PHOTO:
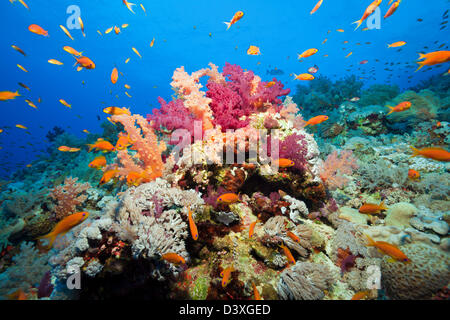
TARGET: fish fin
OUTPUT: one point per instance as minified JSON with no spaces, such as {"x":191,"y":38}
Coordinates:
{"x":228,"y":25}
{"x":416,"y":152}
{"x":370,"y":240}
{"x":391,"y":260}
{"x":359,"y":22}
{"x":79,"y":69}
{"x":422,"y":64}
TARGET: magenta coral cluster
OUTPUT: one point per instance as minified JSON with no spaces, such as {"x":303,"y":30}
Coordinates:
{"x":294,"y":147}
{"x":172,"y":116}
{"x":241,"y":96}
{"x":228,"y":102}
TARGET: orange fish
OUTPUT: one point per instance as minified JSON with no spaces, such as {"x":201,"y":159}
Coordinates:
{"x":82,"y":26}
{"x":64,"y":103}
{"x":304,"y":77}
{"x":152,"y":43}
{"x":392,"y":9}
{"x":389,"y":249}
{"x":192,"y":226}
{"x":21,"y":126}
{"x":66,"y":31}
{"x":98,"y":163}
{"x":84,"y":62}
{"x":18,"y":50}
{"x":8,"y":95}
{"x":123,"y":142}
{"x":108,"y":175}
{"x":129,"y":5}
{"x":340,"y":30}
{"x":284,"y":163}
{"x":116,"y":111}
{"x":288,"y":254}
{"x":54,"y":61}
{"x":253,"y":51}
{"x":72,"y":51}
{"x":101,"y":144}
{"x":17,"y":295}
{"x":270,"y":84}
{"x":370,"y":9}
{"x":173,"y":258}
{"x":116,"y":29}
{"x":308,"y":53}
{"x":397,"y":44}
{"x":433,"y":58}
{"x":413,"y":174}
{"x":255,"y":292}
{"x":251,"y":230}
{"x":38,"y":30}
{"x":228,"y":198}
{"x":136,"y":178}
{"x":114,"y":76}
{"x":405,"y":105}
{"x":438,"y":154}
{"x":360,"y":295}
{"x":370,"y":208}
{"x":316,"y":7}
{"x":64,"y":226}
{"x":316,"y":120}
{"x":237,"y":16}
{"x":226,"y":276}
{"x":293,"y":236}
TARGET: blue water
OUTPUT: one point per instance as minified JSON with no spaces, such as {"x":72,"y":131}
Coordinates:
{"x":190,"y":34}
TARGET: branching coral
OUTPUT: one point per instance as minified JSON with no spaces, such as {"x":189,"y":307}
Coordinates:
{"x":145,"y":143}
{"x":27,"y":271}
{"x":68,"y":197}
{"x":336,"y":166}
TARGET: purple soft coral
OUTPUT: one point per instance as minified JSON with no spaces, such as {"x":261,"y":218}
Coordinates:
{"x":295,"y":148}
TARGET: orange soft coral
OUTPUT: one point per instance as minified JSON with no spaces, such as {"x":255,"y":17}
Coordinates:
{"x":144,"y":141}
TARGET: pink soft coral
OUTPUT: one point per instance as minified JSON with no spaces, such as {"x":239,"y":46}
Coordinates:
{"x":172,"y":116}
{"x":188,"y":89}
{"x":144,"y":141}
{"x":335,"y":167}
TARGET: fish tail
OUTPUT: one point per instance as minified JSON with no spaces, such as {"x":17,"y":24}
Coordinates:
{"x":422,"y":64}
{"x":383,"y":206}
{"x":370,"y":243}
{"x":416,"y":152}
{"x":359,"y":22}
{"x":228,"y":25}
{"x":421,"y":56}
{"x":392,"y":110}
{"x":91,"y":146}
{"x":51,"y":237}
